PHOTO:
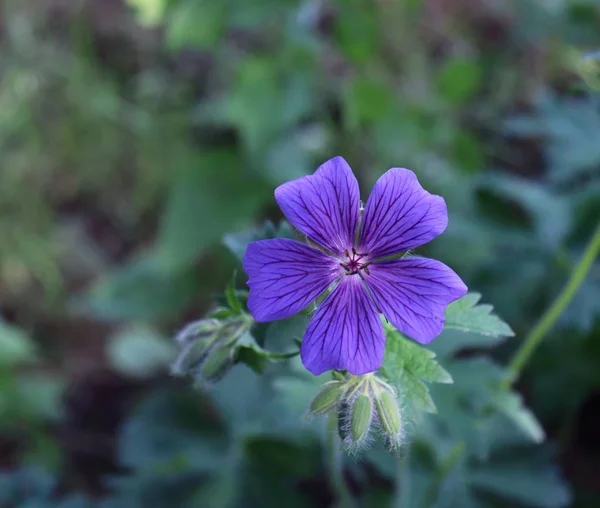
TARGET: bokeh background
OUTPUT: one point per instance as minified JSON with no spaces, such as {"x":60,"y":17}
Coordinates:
{"x":138,"y":138}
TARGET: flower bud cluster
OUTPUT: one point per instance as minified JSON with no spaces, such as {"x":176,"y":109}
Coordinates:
{"x":209,"y":347}
{"x":364,"y":404}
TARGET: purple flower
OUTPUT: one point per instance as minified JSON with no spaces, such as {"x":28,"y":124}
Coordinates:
{"x":412,"y":293}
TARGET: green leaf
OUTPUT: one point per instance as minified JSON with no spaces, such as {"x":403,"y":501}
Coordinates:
{"x":407,"y":365}
{"x":149,"y":12}
{"x":138,"y":290}
{"x":198,"y":25}
{"x":40,"y":395}
{"x":139,"y":351}
{"x":529,"y":479}
{"x":256,"y":357}
{"x":511,"y":404}
{"x":170,"y":432}
{"x":232,"y":298}
{"x":15,"y":346}
{"x":212,"y":195}
{"x":466,"y":315}
{"x":451,"y":340}
{"x":367,"y":101}
{"x":238,"y":242}
{"x":477,"y":396}
{"x":358,"y":30}
{"x":458,"y":80}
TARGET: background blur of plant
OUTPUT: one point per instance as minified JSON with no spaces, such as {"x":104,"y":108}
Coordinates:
{"x":138,"y":138}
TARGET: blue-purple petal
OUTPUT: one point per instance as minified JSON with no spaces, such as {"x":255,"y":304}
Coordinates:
{"x":324,"y":206}
{"x":285,"y":276}
{"x":345,"y":333}
{"x":400,"y":215}
{"x":413,"y":294}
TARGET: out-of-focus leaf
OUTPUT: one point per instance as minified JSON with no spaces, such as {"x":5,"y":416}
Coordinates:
{"x":568,"y":127}
{"x":197,"y":25}
{"x":367,"y":101}
{"x":207,"y":200}
{"x":530,"y":480}
{"x":511,"y":404}
{"x":476,"y":397}
{"x":551,"y":213}
{"x":15,"y":346}
{"x":149,"y":12}
{"x":238,"y":242}
{"x":138,"y":290}
{"x":167,"y":435}
{"x":357,"y":30}
{"x":458,"y":80}
{"x":466,"y":315}
{"x":468,"y":152}
{"x":40,"y":395}
{"x":139,"y":351}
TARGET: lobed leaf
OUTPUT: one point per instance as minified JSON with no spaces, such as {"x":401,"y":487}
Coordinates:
{"x":466,"y":315}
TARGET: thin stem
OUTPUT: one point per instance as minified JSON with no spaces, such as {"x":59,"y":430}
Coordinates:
{"x":402,"y":482}
{"x":336,"y":466}
{"x":550,"y":317}
{"x":456,"y":453}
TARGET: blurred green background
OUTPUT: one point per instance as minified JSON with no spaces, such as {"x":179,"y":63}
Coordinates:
{"x":137,"y":137}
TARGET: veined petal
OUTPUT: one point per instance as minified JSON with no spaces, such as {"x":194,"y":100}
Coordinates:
{"x":345,"y":333}
{"x":324,"y":206}
{"x":285,"y":276}
{"x":413,"y":294}
{"x":400,"y":215}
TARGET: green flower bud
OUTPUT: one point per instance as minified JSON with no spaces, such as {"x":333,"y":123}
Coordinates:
{"x":327,"y":399}
{"x":205,"y":329}
{"x":360,"y":419}
{"x":232,"y":329}
{"x":216,"y":366}
{"x":388,"y":413}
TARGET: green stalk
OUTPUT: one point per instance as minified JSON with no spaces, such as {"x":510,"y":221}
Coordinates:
{"x":336,"y":466}
{"x":454,"y":456}
{"x":550,"y":317}
{"x":402,"y":481}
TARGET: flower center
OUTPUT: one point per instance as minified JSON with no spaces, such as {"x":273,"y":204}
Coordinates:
{"x":355,"y":262}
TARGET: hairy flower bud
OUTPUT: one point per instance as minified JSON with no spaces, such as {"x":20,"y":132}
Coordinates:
{"x":361,"y":416}
{"x":216,"y":366}
{"x":204,"y":329}
{"x":209,"y":347}
{"x":362,"y":403}
{"x":327,"y":399}
{"x":388,"y":414}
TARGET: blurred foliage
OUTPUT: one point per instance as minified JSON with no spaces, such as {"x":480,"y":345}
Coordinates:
{"x":141,"y":142}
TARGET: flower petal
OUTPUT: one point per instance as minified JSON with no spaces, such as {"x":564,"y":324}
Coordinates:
{"x":324,"y":206}
{"x":400,"y":215}
{"x":285,"y":276}
{"x":345,"y":333}
{"x":413,"y":294}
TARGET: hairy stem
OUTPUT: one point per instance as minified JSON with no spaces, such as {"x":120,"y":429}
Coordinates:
{"x":550,"y":317}
{"x":336,"y":466}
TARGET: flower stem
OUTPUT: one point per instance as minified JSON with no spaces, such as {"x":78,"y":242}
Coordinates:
{"x":550,"y":317}
{"x":454,"y":456}
{"x":402,"y":481}
{"x":336,"y":467}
